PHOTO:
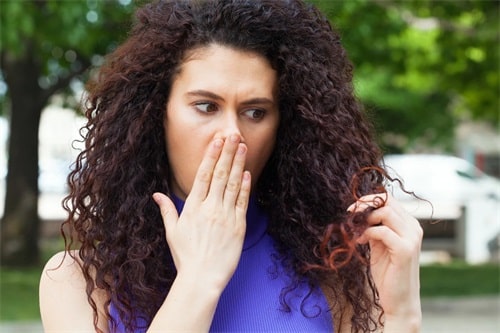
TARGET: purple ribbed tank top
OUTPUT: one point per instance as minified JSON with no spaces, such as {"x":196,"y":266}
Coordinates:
{"x":251,"y":300}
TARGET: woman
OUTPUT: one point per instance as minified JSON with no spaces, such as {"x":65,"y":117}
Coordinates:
{"x":230,"y":182}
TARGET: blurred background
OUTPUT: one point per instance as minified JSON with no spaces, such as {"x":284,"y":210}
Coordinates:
{"x":426,"y":71}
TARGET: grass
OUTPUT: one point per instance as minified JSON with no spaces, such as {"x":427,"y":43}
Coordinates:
{"x":19,"y":287}
{"x":459,"y":279}
{"x":19,"y":294}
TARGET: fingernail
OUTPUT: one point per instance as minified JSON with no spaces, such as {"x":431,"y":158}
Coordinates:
{"x":241,"y":149}
{"x":361,"y":240}
{"x":218,"y":143}
{"x":234,"y":138}
{"x":156,"y":197}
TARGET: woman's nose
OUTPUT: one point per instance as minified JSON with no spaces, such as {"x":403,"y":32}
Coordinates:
{"x":229,"y":125}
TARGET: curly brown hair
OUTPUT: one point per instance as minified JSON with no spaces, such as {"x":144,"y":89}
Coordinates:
{"x":324,"y":143}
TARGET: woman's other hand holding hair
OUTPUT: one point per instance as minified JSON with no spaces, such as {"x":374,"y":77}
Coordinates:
{"x":395,"y":239}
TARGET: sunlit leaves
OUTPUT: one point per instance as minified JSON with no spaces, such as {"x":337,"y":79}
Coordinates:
{"x":62,"y":37}
{"x":422,"y":65}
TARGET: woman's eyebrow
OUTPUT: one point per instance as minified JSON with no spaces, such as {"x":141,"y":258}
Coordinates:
{"x":204,"y":93}
{"x":211,"y":95}
{"x":258,"y":100}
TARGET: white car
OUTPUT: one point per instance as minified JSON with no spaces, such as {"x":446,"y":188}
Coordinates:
{"x":441,"y":179}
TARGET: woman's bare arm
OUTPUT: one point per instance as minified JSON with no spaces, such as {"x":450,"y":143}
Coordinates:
{"x":63,"y":301}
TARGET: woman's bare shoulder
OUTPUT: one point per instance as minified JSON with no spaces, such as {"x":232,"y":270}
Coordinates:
{"x":64,"y":302}
{"x":65,"y":259}
{"x":62,"y":271}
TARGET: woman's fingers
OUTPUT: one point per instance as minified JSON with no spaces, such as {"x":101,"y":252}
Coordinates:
{"x":402,"y":223}
{"x":234,"y":183}
{"x":219,"y":176}
{"x":402,"y":246}
{"x":208,"y":235}
{"x":395,"y":239}
{"x":243,"y":196}
{"x":389,"y":224}
{"x":224,"y":170}
{"x":167,"y":210}
{"x":388,"y":212}
{"x":372,"y":200}
{"x":204,"y":175}
{"x":380,"y":233}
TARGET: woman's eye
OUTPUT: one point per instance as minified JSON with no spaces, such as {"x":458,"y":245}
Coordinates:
{"x":206,"y":107}
{"x":255,"y":114}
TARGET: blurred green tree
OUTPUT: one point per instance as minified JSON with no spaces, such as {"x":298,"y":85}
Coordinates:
{"x":45,"y":46}
{"x":421,"y":66}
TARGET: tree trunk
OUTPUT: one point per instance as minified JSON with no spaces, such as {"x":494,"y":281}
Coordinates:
{"x":20,"y":223}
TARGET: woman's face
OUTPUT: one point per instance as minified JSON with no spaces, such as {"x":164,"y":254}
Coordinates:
{"x":220,"y":91}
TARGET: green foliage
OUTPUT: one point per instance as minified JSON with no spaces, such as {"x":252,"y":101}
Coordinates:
{"x":53,"y":27}
{"x":19,"y":294}
{"x":459,"y":279}
{"x":63,"y":37}
{"x":422,"y":65}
